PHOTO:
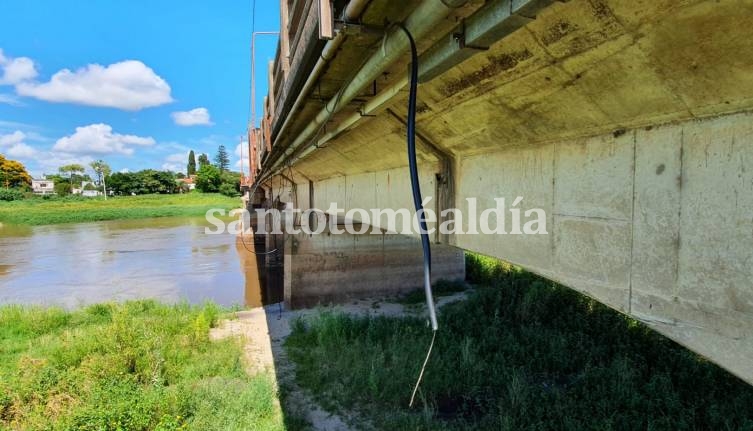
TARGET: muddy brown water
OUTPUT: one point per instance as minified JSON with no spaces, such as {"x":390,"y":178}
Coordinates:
{"x":167,"y":259}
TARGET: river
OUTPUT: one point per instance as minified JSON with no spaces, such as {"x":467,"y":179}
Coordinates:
{"x":167,"y":259}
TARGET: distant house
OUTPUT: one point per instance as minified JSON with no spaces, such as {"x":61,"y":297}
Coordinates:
{"x":43,"y":187}
{"x":89,"y":190}
{"x":188,"y":183}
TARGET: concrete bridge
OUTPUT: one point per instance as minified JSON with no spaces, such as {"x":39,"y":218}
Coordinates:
{"x":627,"y":122}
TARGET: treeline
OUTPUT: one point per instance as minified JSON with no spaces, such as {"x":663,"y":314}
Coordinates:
{"x":16,"y":183}
{"x":146,"y":182}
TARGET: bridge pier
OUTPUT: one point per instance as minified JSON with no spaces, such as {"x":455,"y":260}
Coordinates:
{"x":328,"y":268}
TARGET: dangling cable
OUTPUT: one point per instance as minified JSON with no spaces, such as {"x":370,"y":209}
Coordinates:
{"x":418,"y":202}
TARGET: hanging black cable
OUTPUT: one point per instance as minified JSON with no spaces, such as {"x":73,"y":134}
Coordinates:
{"x":415,"y":186}
{"x":418,"y":201}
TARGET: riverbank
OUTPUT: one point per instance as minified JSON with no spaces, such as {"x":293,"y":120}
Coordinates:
{"x":135,"y":366}
{"x":38,"y":211}
{"x":519,"y":353}
{"x":514,"y":352}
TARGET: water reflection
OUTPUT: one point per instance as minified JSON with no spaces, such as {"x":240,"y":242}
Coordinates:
{"x":169,"y":259}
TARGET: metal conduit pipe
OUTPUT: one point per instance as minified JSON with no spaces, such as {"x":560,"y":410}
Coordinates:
{"x":494,"y":21}
{"x":372,"y":105}
{"x":352,"y":13}
{"x":423,"y":19}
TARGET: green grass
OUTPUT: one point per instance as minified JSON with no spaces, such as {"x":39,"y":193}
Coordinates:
{"x":522,"y":353}
{"x":40,"y":211}
{"x":133,"y":366}
{"x":439,"y":289}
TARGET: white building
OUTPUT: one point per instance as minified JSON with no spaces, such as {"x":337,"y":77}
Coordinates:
{"x":90,"y":191}
{"x":43,"y":187}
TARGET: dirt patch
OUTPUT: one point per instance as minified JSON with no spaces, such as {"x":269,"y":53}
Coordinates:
{"x":264,"y":330}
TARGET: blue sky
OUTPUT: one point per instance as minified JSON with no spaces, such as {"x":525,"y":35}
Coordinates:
{"x":137,"y":84}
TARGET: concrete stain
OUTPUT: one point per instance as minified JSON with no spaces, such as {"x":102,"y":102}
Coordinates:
{"x":601,"y":10}
{"x":558,"y":31}
{"x":497,"y":64}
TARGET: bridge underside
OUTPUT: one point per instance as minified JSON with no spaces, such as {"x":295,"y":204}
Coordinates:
{"x":626,"y":121}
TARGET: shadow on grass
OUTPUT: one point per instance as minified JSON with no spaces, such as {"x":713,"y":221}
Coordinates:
{"x":522,"y":353}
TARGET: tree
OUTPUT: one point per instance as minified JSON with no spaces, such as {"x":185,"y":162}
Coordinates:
{"x":191,"y":169}
{"x":124,"y":183}
{"x":222,"y":159}
{"x":62,"y":189}
{"x":227,"y":189}
{"x":103,"y":170}
{"x":72,"y":170}
{"x":13,"y":173}
{"x":232,"y":178}
{"x":208,"y":180}
{"x":147,"y":181}
{"x":203,"y":160}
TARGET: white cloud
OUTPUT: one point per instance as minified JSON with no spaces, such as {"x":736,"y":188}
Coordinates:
{"x":129,"y":85}
{"x":176,"y":162}
{"x":177,"y":158}
{"x":14,"y":138}
{"x":22,"y":151}
{"x":194,"y":117}
{"x":13,"y":145}
{"x":50,"y":161}
{"x":10,"y":99}
{"x":241,"y":153}
{"x":100,"y":139}
{"x":242,"y":149}
{"x":16,"y":70}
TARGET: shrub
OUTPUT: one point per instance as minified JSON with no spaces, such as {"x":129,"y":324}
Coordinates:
{"x":63,"y":189}
{"x":229,"y":190}
{"x":10,"y":195}
{"x":128,"y":366}
{"x":208,"y":179}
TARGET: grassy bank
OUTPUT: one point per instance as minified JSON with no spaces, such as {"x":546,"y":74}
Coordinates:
{"x":521,"y":353}
{"x":136,"y":366}
{"x":79,"y":210}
